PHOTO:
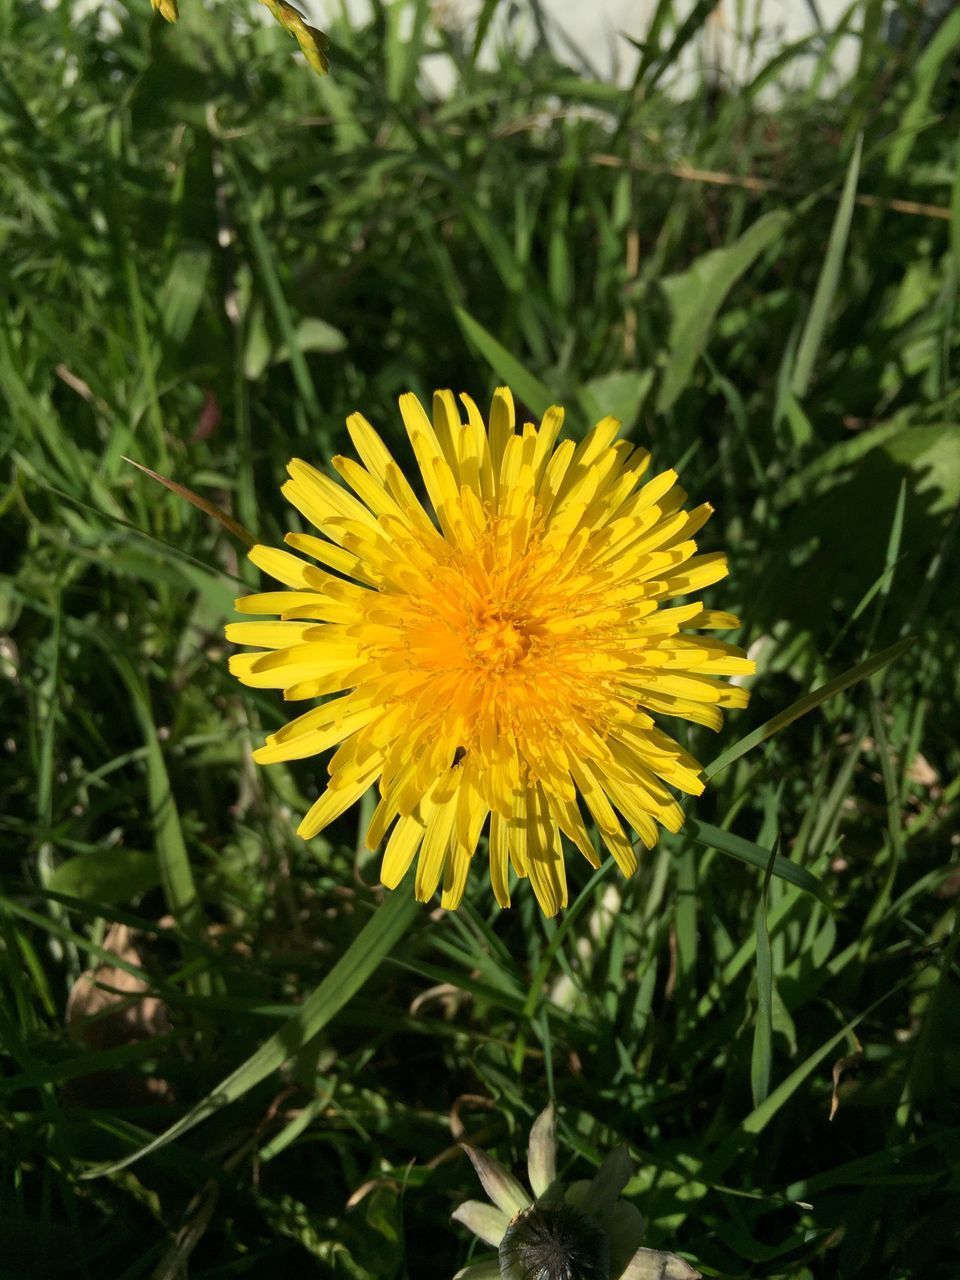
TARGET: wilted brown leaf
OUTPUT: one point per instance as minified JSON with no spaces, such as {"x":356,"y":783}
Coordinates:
{"x":846,"y":1063}
{"x":108,"y":1008}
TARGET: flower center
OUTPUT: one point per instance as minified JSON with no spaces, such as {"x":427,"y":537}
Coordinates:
{"x":498,"y":641}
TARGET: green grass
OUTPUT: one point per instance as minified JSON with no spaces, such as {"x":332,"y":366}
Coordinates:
{"x":208,"y":257}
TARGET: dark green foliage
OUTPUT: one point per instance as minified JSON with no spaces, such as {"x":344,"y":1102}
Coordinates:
{"x":208,"y":257}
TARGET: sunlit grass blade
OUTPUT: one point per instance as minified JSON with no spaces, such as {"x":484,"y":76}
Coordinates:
{"x":372,"y":944}
{"x":754,"y":855}
{"x":809,"y":702}
{"x":761,"y":1115}
{"x":175,"y":872}
{"x":815,"y":327}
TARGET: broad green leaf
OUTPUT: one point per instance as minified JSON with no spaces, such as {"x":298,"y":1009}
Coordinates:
{"x":311,"y":334}
{"x":934,"y":454}
{"x":620,"y":394}
{"x":314,"y":334}
{"x":107,"y":875}
{"x":697,"y":295}
{"x":183,"y":291}
{"x":258,"y":348}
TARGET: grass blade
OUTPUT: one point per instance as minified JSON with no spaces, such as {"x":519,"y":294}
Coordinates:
{"x":926,"y":71}
{"x":754,"y":855}
{"x":760,"y":1116}
{"x":175,"y":871}
{"x":826,"y":289}
{"x":266,"y":262}
{"x":807,"y":703}
{"x":762,"y":1055}
{"x":890,"y":562}
{"x":202,"y":504}
{"x":372,"y":944}
{"x":505,"y":365}
{"x":484,"y":18}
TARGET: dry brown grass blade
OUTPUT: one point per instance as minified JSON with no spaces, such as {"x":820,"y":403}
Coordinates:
{"x":747,"y":182}
{"x":202,"y":504}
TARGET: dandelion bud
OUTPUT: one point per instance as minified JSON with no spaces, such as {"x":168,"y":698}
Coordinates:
{"x":579,"y":1232}
{"x":554,"y":1242}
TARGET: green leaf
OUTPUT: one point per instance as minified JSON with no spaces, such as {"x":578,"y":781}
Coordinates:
{"x":201,"y":503}
{"x":934,"y":454}
{"x":837,"y":457}
{"x":183,"y":291}
{"x":826,"y":289}
{"x":483,"y":21}
{"x":313,"y":334}
{"x":697,"y":295}
{"x":761,"y":1115}
{"x":263,"y":252}
{"x":620,"y":394}
{"x":372,"y":944}
{"x":107,"y":875}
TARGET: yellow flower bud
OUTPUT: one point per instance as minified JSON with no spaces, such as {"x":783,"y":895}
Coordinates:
{"x":313,"y":42}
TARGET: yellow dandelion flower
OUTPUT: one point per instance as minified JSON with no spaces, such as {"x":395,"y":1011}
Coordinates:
{"x":497,"y":668}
